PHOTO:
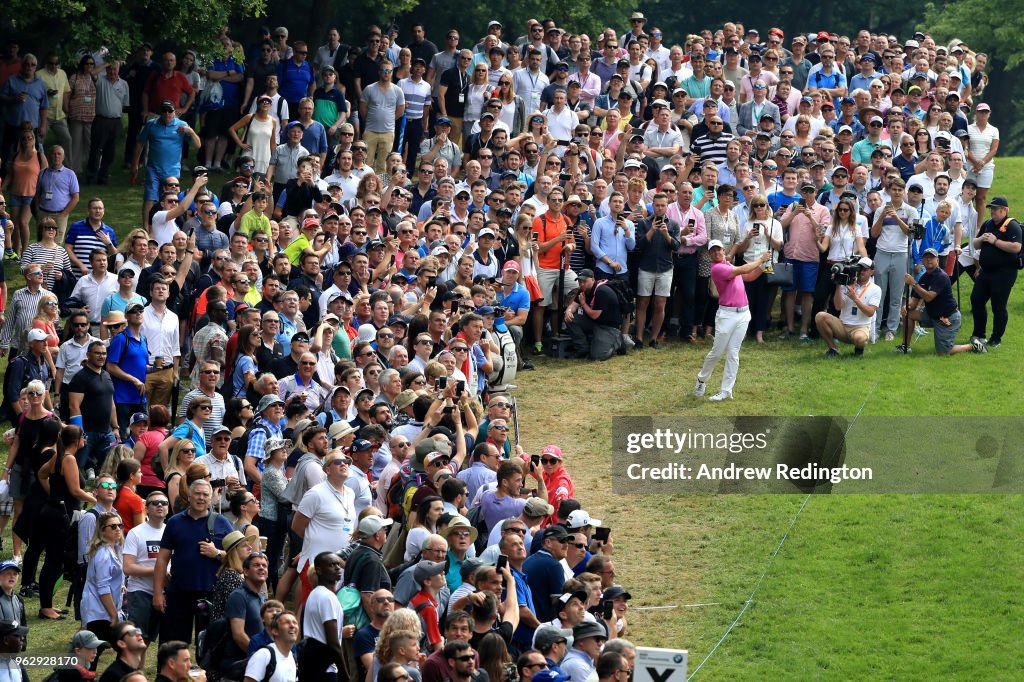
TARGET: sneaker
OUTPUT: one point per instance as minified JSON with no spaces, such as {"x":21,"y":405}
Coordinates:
{"x":700,"y":388}
{"x":995,"y":344}
{"x":785,"y":334}
{"x":720,"y":396}
{"x":538,"y":348}
{"x":889,"y":336}
{"x":629,"y":342}
{"x":904,"y":349}
{"x":654,"y":344}
{"x":90,"y":476}
{"x":10,"y":255}
{"x":27,"y":592}
{"x":831,"y":353}
{"x":858,"y":352}
{"x":977,"y":346}
{"x":805,"y":337}
{"x":526,"y":366}
{"x":17,"y":559}
{"x":920,"y":331}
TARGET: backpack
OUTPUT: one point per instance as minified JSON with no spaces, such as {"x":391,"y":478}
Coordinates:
{"x":212,"y":97}
{"x":7,"y":412}
{"x":475,"y":516}
{"x":240,"y":445}
{"x":71,"y":542}
{"x":272,"y":665}
{"x":623,"y":294}
{"x":351,"y":599}
{"x":424,"y":639}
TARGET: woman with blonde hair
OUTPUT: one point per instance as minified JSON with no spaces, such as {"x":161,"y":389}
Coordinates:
{"x":47,"y":317}
{"x":194,"y":472}
{"x":761,"y":233}
{"x":22,"y":179}
{"x":115,"y":456}
{"x":401,"y":619}
{"x":513,"y":107}
{"x":24,"y":453}
{"x":102,"y":594}
{"x":802,"y":131}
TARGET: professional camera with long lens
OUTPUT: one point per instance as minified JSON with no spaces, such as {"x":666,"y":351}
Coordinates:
{"x":844,"y":273}
{"x":917,"y":229}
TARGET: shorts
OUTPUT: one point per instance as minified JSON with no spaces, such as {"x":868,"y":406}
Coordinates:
{"x":844,"y":332}
{"x":945,"y":337}
{"x":139,"y":606}
{"x":151,"y":191}
{"x":548,"y":281}
{"x":805,"y":276}
{"x":20,"y":481}
{"x":17,"y":201}
{"x":217,"y":122}
{"x":983,"y":178}
{"x":656,"y":283}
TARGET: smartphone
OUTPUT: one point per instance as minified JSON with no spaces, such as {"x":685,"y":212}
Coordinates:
{"x":536,"y":236}
{"x":524,"y":492}
{"x":442,"y":383}
{"x":460,"y":387}
{"x":431,"y":281}
{"x":501,"y":563}
{"x":609,"y":610}
{"x":803,"y":203}
{"x":601,"y":533}
{"x":448,"y":409}
{"x":691,"y":222}
{"x":536,"y":460}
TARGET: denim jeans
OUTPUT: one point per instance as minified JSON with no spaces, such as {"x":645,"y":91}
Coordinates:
{"x":97,"y":444}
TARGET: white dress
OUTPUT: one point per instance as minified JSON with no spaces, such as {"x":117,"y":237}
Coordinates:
{"x":259,"y":135}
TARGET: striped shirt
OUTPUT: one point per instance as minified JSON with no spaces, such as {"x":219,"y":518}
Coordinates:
{"x":417,"y":96}
{"x":216,"y":415}
{"x":21,"y":310}
{"x":82,"y":239}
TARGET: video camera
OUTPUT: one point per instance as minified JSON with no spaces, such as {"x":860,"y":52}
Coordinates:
{"x":844,"y":273}
{"x":917,"y":229}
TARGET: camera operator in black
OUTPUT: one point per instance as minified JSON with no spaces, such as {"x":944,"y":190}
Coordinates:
{"x":857,"y":303}
{"x":594,"y":317}
{"x":939,"y":310}
{"x":999,"y":242}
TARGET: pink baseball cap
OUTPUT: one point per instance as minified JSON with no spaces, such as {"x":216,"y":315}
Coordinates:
{"x":511,"y":265}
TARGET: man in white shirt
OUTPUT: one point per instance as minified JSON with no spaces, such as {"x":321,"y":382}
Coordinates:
{"x":326,"y":516}
{"x":323,"y":621}
{"x":284,"y":628}
{"x":857,"y":304}
{"x":164,"y":225}
{"x":161,"y":329}
{"x":530,"y":81}
{"x":141,"y":548}
{"x":562,"y":121}
{"x":94,"y":287}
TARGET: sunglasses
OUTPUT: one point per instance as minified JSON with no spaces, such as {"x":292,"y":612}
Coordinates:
{"x":549,"y":460}
{"x":341,"y":460}
{"x":113,"y":525}
{"x":107,"y":485}
{"x":158,"y":503}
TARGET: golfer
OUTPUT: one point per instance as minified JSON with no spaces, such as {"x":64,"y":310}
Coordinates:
{"x":731,"y":320}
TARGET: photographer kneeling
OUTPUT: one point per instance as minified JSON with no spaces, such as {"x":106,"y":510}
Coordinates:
{"x":940,"y":311}
{"x":857,"y":297}
{"x":594,"y":317}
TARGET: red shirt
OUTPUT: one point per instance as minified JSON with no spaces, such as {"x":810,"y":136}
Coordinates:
{"x":159,"y":88}
{"x":127,"y":505}
{"x":429,"y":614}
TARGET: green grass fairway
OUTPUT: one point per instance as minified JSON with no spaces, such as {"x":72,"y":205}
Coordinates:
{"x":909,"y":587}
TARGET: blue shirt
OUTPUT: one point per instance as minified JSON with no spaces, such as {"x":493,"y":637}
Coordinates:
{"x":516,"y":300}
{"x":545,"y":575}
{"x":524,"y":597}
{"x":56,"y":187}
{"x":314,"y":138}
{"x":187,"y":429}
{"x":132,"y":356}
{"x":191,"y":571}
{"x":232,"y":91}
{"x":28,"y":110}
{"x":164,"y":146}
{"x":605,"y":242}
{"x":294,"y":81}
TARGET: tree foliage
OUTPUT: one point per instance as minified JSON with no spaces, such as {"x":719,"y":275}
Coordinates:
{"x":120,"y":25}
{"x":992,"y":26}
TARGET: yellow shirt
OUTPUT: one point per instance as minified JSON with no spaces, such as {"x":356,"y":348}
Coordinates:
{"x":253,"y":221}
{"x":59,"y":82}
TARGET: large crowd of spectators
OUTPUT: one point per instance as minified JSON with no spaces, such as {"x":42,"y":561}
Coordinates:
{"x":276,"y":421}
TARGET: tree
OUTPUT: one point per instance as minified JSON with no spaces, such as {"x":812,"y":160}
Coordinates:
{"x":993,"y":27}
{"x":122,"y":26}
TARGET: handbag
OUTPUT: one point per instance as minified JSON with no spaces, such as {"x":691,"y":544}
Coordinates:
{"x":782,"y":272}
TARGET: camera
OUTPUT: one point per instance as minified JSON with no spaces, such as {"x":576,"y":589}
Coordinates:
{"x":500,"y":311}
{"x":845,"y":272}
{"x":218,"y":483}
{"x":917,"y":228}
